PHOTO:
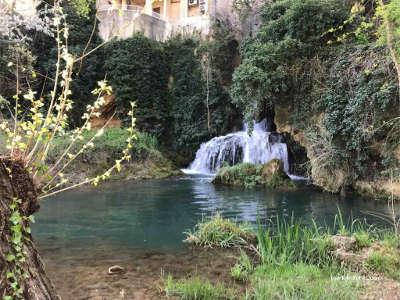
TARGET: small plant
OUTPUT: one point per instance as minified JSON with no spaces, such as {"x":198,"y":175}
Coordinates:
{"x":363,"y":239}
{"x":391,"y":240}
{"x":219,"y":232}
{"x":386,"y":261}
{"x":196,"y":288}
{"x":243,"y":268}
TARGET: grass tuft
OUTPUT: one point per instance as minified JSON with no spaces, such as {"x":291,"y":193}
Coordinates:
{"x":386,"y":261}
{"x":219,"y":232}
{"x":292,"y":242}
{"x":242,"y":270}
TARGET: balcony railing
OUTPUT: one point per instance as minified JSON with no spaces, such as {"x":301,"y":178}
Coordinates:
{"x":134,"y":8}
{"x":157,"y":15}
{"x":131,"y":8}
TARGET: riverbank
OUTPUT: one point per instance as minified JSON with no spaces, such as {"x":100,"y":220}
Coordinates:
{"x":292,"y":261}
{"x":139,"y":226}
{"x":147,"y":161}
{"x":178,"y":274}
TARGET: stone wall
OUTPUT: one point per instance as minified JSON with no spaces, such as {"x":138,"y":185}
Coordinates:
{"x":123,"y":25}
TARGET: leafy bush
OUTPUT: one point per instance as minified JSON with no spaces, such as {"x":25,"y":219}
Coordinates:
{"x":219,"y":232}
{"x":244,"y":174}
{"x":197,"y":288}
{"x":291,"y":30}
{"x":201,"y":107}
{"x":138,"y":71}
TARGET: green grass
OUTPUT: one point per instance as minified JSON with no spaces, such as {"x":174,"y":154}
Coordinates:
{"x":244,"y":174}
{"x":386,"y":260}
{"x":196,"y":288}
{"x":293,"y":242}
{"x":363,"y":239}
{"x":219,"y":232}
{"x":242,"y":270}
{"x":300,"y":281}
{"x":112,"y":142}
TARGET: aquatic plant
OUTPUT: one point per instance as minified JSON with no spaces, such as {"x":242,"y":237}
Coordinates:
{"x":219,"y":232}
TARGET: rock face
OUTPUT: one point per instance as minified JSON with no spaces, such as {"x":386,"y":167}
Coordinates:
{"x":271,"y":175}
{"x":107,"y":117}
{"x":273,"y":168}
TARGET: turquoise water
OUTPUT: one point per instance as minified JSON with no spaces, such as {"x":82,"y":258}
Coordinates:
{"x":153,"y":215}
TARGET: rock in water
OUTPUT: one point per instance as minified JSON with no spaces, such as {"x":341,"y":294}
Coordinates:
{"x":116,"y":270}
{"x":271,"y":174}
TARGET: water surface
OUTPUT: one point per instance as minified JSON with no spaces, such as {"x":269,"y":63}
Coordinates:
{"x":152,"y":215}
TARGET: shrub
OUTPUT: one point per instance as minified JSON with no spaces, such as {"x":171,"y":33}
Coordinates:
{"x":363,"y":239}
{"x":138,"y":71}
{"x":244,"y":174}
{"x":219,"y":232}
{"x":196,"y":289}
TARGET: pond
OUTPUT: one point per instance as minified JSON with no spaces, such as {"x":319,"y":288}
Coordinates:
{"x":140,"y":225}
{"x":154,"y":214}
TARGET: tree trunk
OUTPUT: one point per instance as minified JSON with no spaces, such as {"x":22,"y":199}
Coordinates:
{"x":16,"y":183}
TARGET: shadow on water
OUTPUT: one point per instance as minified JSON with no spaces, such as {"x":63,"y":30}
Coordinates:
{"x":152,"y":215}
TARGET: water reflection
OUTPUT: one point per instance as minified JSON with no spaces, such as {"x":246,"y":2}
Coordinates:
{"x":153,"y":214}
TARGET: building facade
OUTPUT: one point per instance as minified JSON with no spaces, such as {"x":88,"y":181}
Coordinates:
{"x":157,"y":19}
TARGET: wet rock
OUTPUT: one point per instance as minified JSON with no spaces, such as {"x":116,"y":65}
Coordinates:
{"x":113,"y":270}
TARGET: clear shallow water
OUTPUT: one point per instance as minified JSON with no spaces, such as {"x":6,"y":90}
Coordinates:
{"x":152,"y":215}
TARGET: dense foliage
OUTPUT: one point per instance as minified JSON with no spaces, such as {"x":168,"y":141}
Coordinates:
{"x":320,"y":61}
{"x":138,"y":71}
{"x":201,"y":105}
{"x":342,"y":96}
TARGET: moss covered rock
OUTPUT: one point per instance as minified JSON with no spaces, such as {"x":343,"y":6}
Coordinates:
{"x":271,"y":174}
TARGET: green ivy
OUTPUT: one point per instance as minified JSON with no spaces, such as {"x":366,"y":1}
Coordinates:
{"x":19,"y":226}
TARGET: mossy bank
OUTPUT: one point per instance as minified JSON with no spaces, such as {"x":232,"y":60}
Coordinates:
{"x":147,"y":160}
{"x":271,"y":175}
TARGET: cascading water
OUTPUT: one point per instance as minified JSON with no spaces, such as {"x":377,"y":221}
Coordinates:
{"x":258,"y":148}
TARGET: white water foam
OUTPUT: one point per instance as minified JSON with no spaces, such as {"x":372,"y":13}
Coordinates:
{"x":258,"y":148}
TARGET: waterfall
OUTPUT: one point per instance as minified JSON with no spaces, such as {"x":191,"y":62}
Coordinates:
{"x":258,"y":148}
